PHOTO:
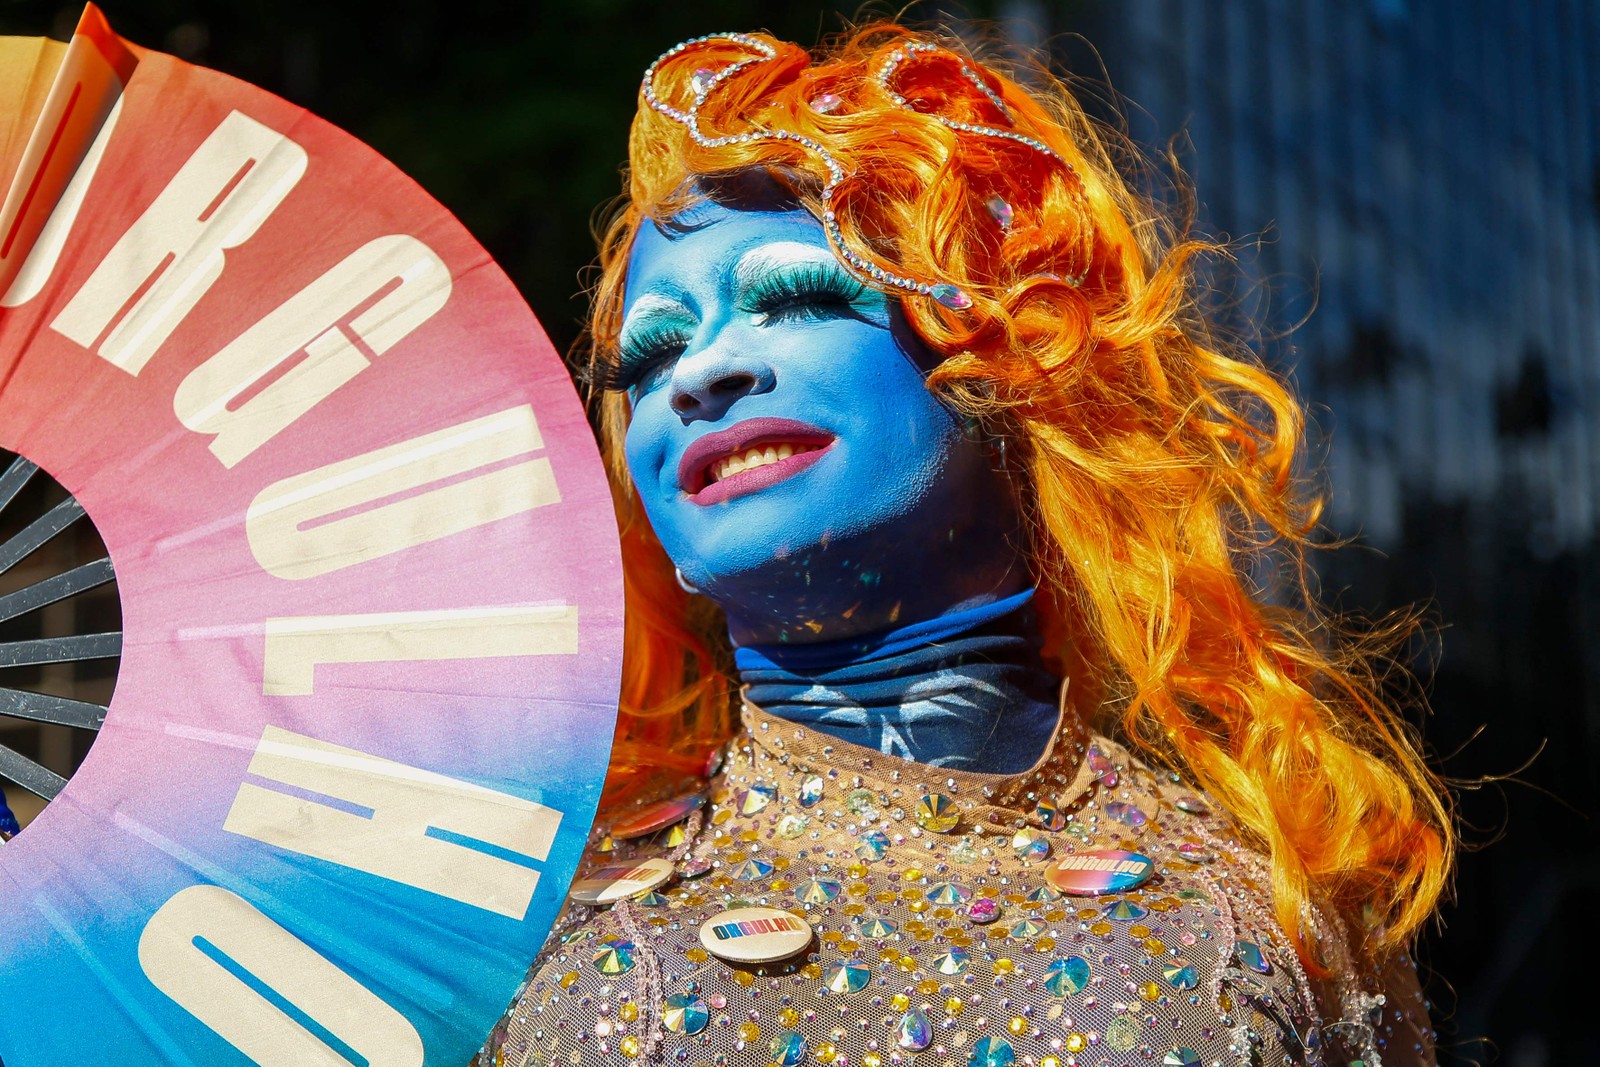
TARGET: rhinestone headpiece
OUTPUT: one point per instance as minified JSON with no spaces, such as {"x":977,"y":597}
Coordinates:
{"x":705,"y":81}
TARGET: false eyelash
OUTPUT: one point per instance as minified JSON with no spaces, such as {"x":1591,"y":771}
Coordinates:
{"x":805,"y":291}
{"x":645,"y":350}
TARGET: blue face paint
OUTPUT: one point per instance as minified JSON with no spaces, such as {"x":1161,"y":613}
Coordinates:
{"x":783,"y":443}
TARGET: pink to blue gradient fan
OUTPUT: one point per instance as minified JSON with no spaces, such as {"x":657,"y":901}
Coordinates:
{"x":367,"y":567}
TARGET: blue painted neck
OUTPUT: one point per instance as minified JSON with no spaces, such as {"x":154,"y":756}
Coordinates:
{"x":966,"y":690}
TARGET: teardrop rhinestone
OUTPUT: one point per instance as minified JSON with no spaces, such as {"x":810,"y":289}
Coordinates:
{"x":1192,"y":804}
{"x":1250,"y":955}
{"x":950,"y":296}
{"x":1100,"y":764}
{"x":826,"y":104}
{"x":811,"y":791}
{"x":1127,"y":814}
{"x":701,"y":80}
{"x":914,"y":1033}
{"x":1000,"y":210}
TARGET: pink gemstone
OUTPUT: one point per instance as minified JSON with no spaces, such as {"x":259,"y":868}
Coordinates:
{"x":826,"y":104}
{"x":983,"y":910}
{"x":1000,"y":210}
{"x":950,"y":297}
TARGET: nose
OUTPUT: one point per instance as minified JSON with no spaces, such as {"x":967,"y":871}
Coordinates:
{"x":706,"y":383}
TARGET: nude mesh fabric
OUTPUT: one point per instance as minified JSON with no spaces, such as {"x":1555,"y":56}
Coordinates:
{"x":1170,"y":969}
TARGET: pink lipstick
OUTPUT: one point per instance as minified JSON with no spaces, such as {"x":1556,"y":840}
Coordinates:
{"x":747,"y":457}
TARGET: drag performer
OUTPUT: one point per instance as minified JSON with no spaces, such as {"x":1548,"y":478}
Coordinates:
{"x":1040,"y":752}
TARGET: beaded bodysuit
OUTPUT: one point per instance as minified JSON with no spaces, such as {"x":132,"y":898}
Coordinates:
{"x":938,"y":937}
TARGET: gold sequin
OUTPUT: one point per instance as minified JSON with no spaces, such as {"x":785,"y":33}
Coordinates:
{"x":749,"y":1032}
{"x":744,"y":978}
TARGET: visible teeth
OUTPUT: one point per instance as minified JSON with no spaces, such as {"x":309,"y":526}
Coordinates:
{"x":752,"y":458}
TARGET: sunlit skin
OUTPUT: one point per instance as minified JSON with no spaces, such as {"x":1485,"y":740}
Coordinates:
{"x":887,"y":513}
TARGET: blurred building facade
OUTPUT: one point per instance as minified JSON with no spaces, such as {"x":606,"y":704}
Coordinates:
{"x":1424,"y":180}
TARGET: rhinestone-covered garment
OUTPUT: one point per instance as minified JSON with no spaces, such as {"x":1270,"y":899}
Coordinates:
{"x":939,"y":940}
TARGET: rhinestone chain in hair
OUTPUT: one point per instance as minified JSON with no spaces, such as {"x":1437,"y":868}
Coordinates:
{"x":704,"y":82}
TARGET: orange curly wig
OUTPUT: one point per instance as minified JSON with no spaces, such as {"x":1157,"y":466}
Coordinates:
{"x":1158,"y":465}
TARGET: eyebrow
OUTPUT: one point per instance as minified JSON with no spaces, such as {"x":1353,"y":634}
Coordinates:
{"x":647,"y":309}
{"x":776,"y":255}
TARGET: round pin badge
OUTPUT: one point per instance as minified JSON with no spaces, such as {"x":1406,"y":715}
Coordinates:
{"x":658,"y":816}
{"x":618,"y":880}
{"x":1091,"y":874}
{"x":755,"y":935}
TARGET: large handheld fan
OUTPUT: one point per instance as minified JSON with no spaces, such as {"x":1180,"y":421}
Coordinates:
{"x":368,"y":572}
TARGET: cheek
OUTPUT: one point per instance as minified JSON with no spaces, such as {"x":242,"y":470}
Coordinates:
{"x":643,"y":447}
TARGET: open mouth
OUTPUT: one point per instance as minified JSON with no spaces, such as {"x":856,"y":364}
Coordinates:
{"x":747,"y":457}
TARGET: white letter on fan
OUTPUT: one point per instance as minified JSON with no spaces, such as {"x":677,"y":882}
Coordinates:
{"x":315,"y":321}
{"x":278,"y":960}
{"x":393,"y":843}
{"x":296,"y":645}
{"x":369,"y":506}
{"x":220,"y":197}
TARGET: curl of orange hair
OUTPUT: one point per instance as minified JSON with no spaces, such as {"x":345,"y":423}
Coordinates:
{"x":1157,"y":465}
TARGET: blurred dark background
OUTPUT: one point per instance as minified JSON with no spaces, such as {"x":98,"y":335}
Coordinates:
{"x":1415,"y":189}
